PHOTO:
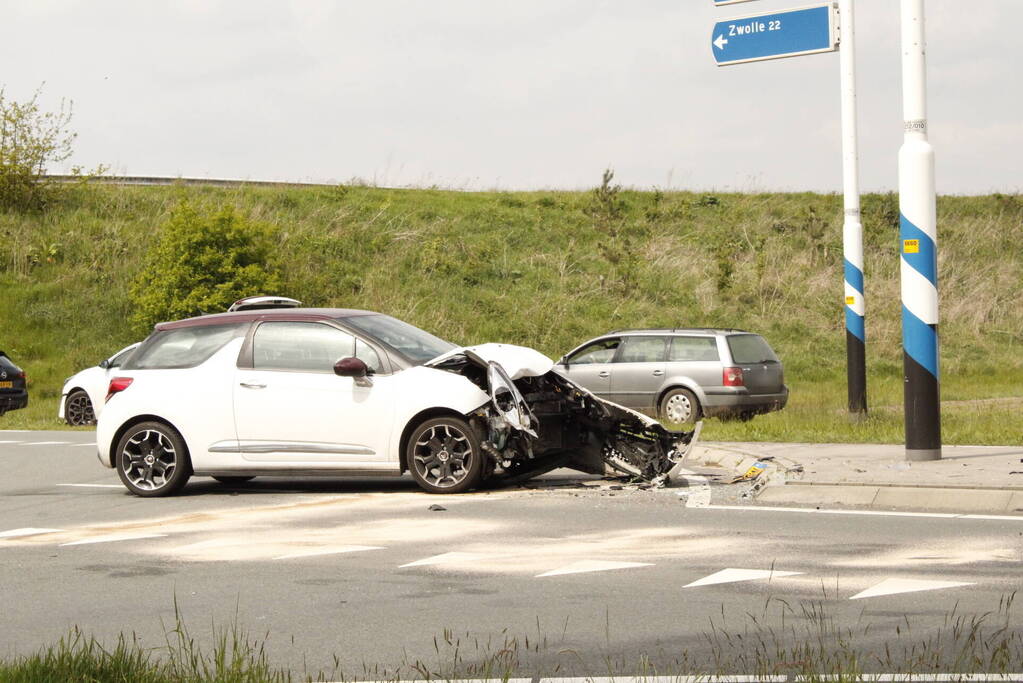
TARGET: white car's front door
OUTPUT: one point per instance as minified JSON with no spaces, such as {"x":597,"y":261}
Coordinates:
{"x":291,"y":408}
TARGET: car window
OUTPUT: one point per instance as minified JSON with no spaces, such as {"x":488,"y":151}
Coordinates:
{"x":184,"y":347}
{"x":367,"y":355}
{"x":693,"y":349}
{"x":304,"y":347}
{"x":643,"y":349}
{"x":598,"y":352}
{"x":117,"y":360}
{"x":750,"y":348}
{"x":410,"y":341}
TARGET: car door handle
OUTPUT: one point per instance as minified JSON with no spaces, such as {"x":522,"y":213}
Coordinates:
{"x":605,"y":373}
{"x":252,"y":385}
{"x":658,"y":373}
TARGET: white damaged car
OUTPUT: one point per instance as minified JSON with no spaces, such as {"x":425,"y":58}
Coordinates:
{"x":300,"y":392}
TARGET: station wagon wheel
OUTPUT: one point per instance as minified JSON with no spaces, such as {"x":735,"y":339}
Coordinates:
{"x":78,"y":409}
{"x":152,"y":460}
{"x":680,"y":407}
{"x":444,"y":455}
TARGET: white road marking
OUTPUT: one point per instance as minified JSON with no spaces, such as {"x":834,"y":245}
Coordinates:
{"x":446,"y":558}
{"x":894,"y":586}
{"x":330,"y":551}
{"x":583,"y":566}
{"x":114,"y":538}
{"x":27,"y":531}
{"x":45,"y":443}
{"x":733,"y":575}
{"x":85,"y":444}
{"x":871,"y":513}
{"x":95,"y":486}
{"x":1,"y":442}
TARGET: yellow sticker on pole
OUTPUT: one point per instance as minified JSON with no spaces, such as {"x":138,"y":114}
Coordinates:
{"x":910,"y":246}
{"x":850,"y":301}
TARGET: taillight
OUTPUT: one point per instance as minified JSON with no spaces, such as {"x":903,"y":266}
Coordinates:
{"x":117,"y":385}
{"x":731,"y":377}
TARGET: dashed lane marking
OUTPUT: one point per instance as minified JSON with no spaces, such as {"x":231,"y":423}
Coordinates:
{"x":446,"y":558}
{"x":27,"y":531}
{"x":329,"y":551}
{"x":46,"y":443}
{"x":114,"y":538}
{"x":734,"y":575}
{"x":94,"y":486}
{"x":584,"y":566}
{"x":895,"y":586}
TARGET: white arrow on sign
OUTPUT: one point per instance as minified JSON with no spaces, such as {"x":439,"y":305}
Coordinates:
{"x":720,"y":42}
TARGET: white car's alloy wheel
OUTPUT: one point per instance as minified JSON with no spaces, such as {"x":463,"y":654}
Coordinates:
{"x":445,"y":456}
{"x":152,"y":460}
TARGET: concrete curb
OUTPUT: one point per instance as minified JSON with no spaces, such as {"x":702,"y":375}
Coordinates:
{"x":931,"y":499}
{"x":782,"y":484}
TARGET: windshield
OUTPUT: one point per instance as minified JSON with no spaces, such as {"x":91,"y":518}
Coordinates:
{"x":410,"y":341}
{"x":750,"y":348}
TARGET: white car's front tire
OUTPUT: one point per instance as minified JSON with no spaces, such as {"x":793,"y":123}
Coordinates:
{"x":444,"y":455}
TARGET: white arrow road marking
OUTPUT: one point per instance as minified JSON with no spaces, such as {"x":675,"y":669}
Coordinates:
{"x":893,"y":586}
{"x":330,"y":551}
{"x":27,"y":531}
{"x":733,"y":575}
{"x":446,"y":558}
{"x":593,"y":566}
{"x":114,"y":538}
{"x":46,"y":443}
{"x":95,"y":486}
{"x":720,"y":42}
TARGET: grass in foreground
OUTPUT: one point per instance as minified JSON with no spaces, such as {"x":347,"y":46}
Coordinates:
{"x":781,"y":639}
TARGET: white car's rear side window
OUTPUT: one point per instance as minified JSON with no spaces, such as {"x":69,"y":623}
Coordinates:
{"x":184,"y":347}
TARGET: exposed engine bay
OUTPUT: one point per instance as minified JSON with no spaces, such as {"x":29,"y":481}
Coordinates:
{"x":540,"y":421}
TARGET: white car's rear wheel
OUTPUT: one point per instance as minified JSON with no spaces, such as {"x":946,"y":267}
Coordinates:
{"x":444,"y":455}
{"x":152,"y":460}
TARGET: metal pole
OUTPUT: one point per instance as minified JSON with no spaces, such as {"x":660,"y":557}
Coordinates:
{"x":852,"y":229}
{"x":919,"y":247}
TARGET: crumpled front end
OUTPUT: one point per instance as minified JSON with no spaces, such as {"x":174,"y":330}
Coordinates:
{"x":538,"y":421}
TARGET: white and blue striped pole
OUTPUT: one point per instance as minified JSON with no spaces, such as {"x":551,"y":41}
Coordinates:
{"x":919,"y":246}
{"x":852,"y":228}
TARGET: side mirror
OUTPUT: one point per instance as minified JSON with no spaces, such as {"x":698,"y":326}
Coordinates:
{"x":354,"y":368}
{"x":105,"y":364}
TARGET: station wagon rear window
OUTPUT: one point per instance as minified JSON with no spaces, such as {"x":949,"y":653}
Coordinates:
{"x":184,"y":347}
{"x":750,"y":348}
{"x":685,"y":349}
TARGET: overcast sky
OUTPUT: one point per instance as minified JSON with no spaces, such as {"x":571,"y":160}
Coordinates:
{"x":522,"y":94}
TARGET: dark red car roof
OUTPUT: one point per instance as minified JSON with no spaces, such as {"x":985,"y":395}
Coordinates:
{"x":264,"y":314}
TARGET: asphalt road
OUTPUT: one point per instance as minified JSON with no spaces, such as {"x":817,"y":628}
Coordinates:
{"x":578,"y":577}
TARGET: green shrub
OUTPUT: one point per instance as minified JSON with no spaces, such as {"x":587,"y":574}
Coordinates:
{"x":201,"y":263}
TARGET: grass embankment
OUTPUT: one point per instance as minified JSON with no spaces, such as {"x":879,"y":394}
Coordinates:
{"x":551,"y":269}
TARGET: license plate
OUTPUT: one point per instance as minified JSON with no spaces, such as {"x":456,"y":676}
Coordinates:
{"x":7,"y":385}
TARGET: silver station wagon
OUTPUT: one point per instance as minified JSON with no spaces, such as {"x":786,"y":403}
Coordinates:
{"x":681,"y":375}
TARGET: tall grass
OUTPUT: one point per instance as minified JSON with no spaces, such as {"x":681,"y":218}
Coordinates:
{"x":779,"y":638}
{"x":551,"y":269}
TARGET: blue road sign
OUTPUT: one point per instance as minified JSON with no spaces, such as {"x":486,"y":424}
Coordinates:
{"x":773,"y":35}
